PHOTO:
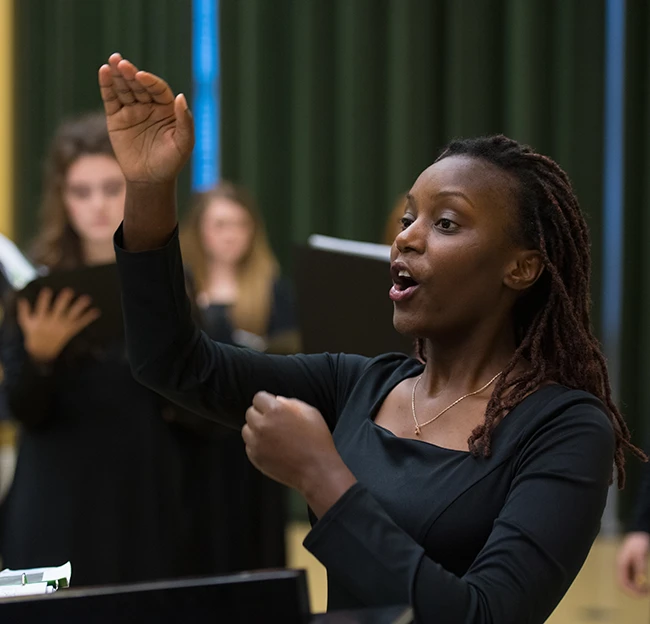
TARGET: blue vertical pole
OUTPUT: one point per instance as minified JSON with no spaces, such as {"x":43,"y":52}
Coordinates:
{"x":205,"y":105}
{"x":612,"y":284}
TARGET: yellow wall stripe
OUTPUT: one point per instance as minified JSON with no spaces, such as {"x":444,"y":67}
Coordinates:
{"x":6,"y":117}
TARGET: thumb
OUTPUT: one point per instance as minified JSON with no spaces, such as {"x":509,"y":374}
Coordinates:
{"x":295,"y":405}
{"x":184,"y":125}
{"x":288,"y":402}
{"x":640,"y":571}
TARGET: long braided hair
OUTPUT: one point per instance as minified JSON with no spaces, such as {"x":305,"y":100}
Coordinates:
{"x":553,"y":328}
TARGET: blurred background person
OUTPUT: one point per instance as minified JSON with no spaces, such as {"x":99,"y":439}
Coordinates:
{"x":242,"y":296}
{"x":98,"y":479}
{"x":240,"y":519}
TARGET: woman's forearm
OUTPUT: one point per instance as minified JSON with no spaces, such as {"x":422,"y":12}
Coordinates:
{"x":149,"y":215}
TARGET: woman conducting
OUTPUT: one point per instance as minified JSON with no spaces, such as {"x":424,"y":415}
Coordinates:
{"x":470,"y":486}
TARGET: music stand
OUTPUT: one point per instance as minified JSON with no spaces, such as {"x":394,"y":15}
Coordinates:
{"x":249,"y":598}
{"x":343,"y":304}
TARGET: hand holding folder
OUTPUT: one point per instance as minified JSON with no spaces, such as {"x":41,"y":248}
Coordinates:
{"x":101,"y":285}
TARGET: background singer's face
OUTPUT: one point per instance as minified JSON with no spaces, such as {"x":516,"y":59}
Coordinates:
{"x":456,"y":241}
{"x":226,"y":231}
{"x":94,"y":197}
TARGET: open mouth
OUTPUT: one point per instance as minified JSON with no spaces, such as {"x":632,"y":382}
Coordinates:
{"x":404,"y":284}
{"x":403,"y":280}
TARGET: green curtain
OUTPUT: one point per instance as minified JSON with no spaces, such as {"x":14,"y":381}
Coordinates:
{"x":635,"y":373}
{"x":59,"y":46}
{"x":331,"y":108}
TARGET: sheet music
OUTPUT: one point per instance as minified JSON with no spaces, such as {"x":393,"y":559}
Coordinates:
{"x":34,"y":581}
{"x":355,"y":248}
{"x":17,"y":269}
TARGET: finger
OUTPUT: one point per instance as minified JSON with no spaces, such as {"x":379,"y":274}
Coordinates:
{"x":251,"y":456}
{"x":86,"y":319}
{"x":62,"y":302}
{"x":291,"y":402}
{"x":640,"y":564}
{"x":253,"y":417}
{"x":625,"y":572}
{"x":24,"y":311}
{"x":157,"y":88}
{"x":296,"y":405}
{"x":246,"y":434}
{"x":263,"y":402}
{"x":122,"y":89}
{"x":78,"y":307}
{"x":129,"y":72}
{"x":112,"y":103}
{"x":43,"y":302}
{"x":184,"y":136}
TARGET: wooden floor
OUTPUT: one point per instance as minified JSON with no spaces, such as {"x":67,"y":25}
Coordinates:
{"x":592,"y":598}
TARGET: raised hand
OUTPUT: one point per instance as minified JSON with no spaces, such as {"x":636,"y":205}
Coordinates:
{"x":151,"y":130}
{"x":50,"y":325}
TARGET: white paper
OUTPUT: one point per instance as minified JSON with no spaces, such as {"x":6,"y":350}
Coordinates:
{"x":38,"y":576}
{"x":31,"y":589}
{"x":352,"y":247}
{"x":18,"y":270}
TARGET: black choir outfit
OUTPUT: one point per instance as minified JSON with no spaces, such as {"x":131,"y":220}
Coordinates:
{"x":461,"y":538}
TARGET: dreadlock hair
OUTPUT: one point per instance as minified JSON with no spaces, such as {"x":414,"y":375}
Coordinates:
{"x":552,"y":324}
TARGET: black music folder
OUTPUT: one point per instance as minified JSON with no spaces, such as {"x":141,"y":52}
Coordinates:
{"x":102,"y":284}
{"x":247,"y":598}
{"x":343,"y":304}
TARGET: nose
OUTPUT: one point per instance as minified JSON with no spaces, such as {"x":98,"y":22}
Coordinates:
{"x":411,"y":238}
{"x":96,"y":199}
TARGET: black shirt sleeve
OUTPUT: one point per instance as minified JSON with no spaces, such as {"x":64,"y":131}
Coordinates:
{"x":537,"y":546}
{"x":169,"y":353}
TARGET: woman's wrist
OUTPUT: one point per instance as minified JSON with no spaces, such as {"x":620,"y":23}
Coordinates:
{"x":40,"y":357}
{"x":324,"y":483}
{"x":42,"y":365}
{"x":149,"y":215}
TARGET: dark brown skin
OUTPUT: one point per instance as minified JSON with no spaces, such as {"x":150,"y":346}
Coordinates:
{"x":458,"y":246}
{"x":469,"y":280}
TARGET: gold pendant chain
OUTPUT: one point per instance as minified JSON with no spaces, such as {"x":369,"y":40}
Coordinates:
{"x":418,"y":427}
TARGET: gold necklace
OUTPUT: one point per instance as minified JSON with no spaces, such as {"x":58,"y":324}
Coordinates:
{"x":418,"y":427}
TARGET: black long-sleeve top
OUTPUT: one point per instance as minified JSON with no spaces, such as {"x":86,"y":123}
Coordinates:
{"x":463,"y":539}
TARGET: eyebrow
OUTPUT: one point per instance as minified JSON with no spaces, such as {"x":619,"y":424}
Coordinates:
{"x":410,"y":199}
{"x":455,"y":194}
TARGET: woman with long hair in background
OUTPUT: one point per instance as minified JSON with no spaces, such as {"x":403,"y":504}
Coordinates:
{"x":243,"y":301}
{"x":243,"y":298}
{"x":98,"y":475}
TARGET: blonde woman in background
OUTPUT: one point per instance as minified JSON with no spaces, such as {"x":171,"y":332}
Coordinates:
{"x":243,"y":298}
{"x":243,"y":301}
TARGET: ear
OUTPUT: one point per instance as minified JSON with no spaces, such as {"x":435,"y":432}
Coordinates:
{"x":524,"y":270}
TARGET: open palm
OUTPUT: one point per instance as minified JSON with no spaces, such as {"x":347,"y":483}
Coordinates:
{"x":151,"y":130}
